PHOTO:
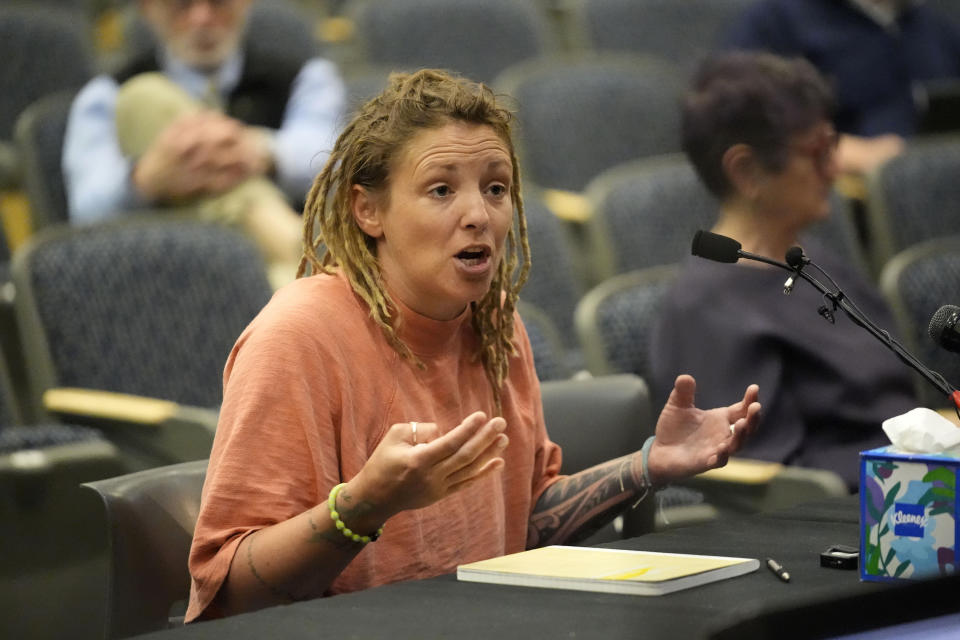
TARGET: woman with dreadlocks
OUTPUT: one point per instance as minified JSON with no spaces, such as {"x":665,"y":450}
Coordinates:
{"x":381,"y":418}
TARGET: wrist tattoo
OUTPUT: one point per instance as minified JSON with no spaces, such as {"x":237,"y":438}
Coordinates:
{"x":351,"y":512}
{"x":331,"y":536}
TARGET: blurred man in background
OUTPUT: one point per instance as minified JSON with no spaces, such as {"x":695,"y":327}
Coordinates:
{"x":209,"y":120}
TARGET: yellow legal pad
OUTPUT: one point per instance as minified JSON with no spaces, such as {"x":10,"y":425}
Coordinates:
{"x":606,"y":570}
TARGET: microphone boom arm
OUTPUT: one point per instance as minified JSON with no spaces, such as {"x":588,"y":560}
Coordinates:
{"x":720,"y":248}
{"x":839,"y":300}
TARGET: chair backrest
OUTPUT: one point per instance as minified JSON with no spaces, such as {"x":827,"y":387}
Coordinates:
{"x":150,"y":518}
{"x":148,"y":307}
{"x":362,"y":83}
{"x":550,"y":356}
{"x":477,"y":38}
{"x":598,"y":419}
{"x":583,"y":115}
{"x":554,"y":284}
{"x":914,"y":197}
{"x":681,"y":31}
{"x":917,"y":282}
{"x":615,"y":320}
{"x":645,"y":213}
{"x":43,"y":51}
{"x":39,"y":136}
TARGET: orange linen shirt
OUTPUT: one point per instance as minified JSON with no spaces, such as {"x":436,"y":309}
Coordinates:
{"x":310,"y":388}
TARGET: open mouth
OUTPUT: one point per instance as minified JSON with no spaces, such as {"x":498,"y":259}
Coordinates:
{"x":474,"y":256}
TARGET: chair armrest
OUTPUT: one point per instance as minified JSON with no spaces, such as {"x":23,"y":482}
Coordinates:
{"x":749,"y":486}
{"x":10,"y":166}
{"x":568,"y":205}
{"x":150,"y":430}
{"x":42,"y":461}
{"x":743,"y":471}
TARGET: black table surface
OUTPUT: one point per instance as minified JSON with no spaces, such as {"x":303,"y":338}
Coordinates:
{"x":817,"y":602}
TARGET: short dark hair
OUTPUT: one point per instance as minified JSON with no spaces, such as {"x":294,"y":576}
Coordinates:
{"x":753,"y":98}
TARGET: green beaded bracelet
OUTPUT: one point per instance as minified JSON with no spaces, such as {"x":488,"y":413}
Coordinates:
{"x":332,"y":505}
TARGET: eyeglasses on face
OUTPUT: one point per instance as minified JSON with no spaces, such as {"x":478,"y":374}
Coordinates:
{"x":821,"y":147}
{"x":185,"y":5}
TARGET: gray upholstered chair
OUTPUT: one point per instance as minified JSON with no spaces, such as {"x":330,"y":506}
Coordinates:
{"x":914,"y":197}
{"x":140,"y":308}
{"x":556,"y":282}
{"x":39,"y":137}
{"x":150,"y":516}
{"x":49,"y":543}
{"x":916,"y":282}
{"x":550,"y":356}
{"x":681,"y":31}
{"x":43,"y":51}
{"x":645,"y":213}
{"x":614,"y":320}
{"x":580,"y":116}
{"x":477,"y":38}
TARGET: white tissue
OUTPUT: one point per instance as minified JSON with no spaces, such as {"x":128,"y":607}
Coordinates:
{"x":922,"y":430}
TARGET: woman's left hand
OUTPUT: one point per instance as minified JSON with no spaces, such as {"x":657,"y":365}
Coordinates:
{"x":691,"y":440}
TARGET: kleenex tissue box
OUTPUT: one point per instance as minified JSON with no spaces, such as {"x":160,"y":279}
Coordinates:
{"x":908,"y":514}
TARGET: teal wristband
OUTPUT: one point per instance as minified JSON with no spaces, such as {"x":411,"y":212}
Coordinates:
{"x":644,"y":458}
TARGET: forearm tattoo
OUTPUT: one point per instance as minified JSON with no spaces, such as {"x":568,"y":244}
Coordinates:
{"x":277,"y":592}
{"x":577,"y":506}
{"x":349,"y":511}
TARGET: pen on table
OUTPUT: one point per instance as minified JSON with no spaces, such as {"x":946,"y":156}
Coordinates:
{"x":778,"y":569}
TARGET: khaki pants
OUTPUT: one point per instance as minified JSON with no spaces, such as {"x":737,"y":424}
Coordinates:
{"x":148,"y":103}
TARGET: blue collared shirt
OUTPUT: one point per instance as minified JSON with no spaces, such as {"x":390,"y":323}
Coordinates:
{"x":97,"y":174}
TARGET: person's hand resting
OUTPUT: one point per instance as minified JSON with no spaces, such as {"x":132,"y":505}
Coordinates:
{"x":860,"y":155}
{"x":691,"y":440}
{"x":403,"y":473}
{"x":201,"y":153}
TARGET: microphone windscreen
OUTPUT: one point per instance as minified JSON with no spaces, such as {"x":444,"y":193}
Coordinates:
{"x":713,"y":246}
{"x":943,"y":327}
{"x":795,"y":257}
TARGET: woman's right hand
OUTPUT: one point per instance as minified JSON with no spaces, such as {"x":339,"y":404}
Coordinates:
{"x":409,"y":473}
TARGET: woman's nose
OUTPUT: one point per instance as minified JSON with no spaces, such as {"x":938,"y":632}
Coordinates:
{"x":475,"y":213}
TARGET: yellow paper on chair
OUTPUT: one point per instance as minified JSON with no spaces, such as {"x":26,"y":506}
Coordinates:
{"x":642,"y":573}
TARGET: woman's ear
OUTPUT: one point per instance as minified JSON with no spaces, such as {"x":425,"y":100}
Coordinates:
{"x":363,"y":205}
{"x":742,"y":170}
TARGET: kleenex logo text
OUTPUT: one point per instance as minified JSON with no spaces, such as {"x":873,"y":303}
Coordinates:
{"x":909,"y":520}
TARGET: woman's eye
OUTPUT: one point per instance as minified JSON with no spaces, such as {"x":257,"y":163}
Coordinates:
{"x":441,"y":191}
{"x":498,"y":189}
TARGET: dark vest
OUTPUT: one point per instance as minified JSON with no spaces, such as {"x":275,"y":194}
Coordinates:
{"x":260,"y":97}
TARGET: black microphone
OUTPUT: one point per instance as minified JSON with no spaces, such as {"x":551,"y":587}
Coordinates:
{"x":718,"y":248}
{"x":713,"y":246}
{"x":943,"y":328}
{"x":796,"y":260}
